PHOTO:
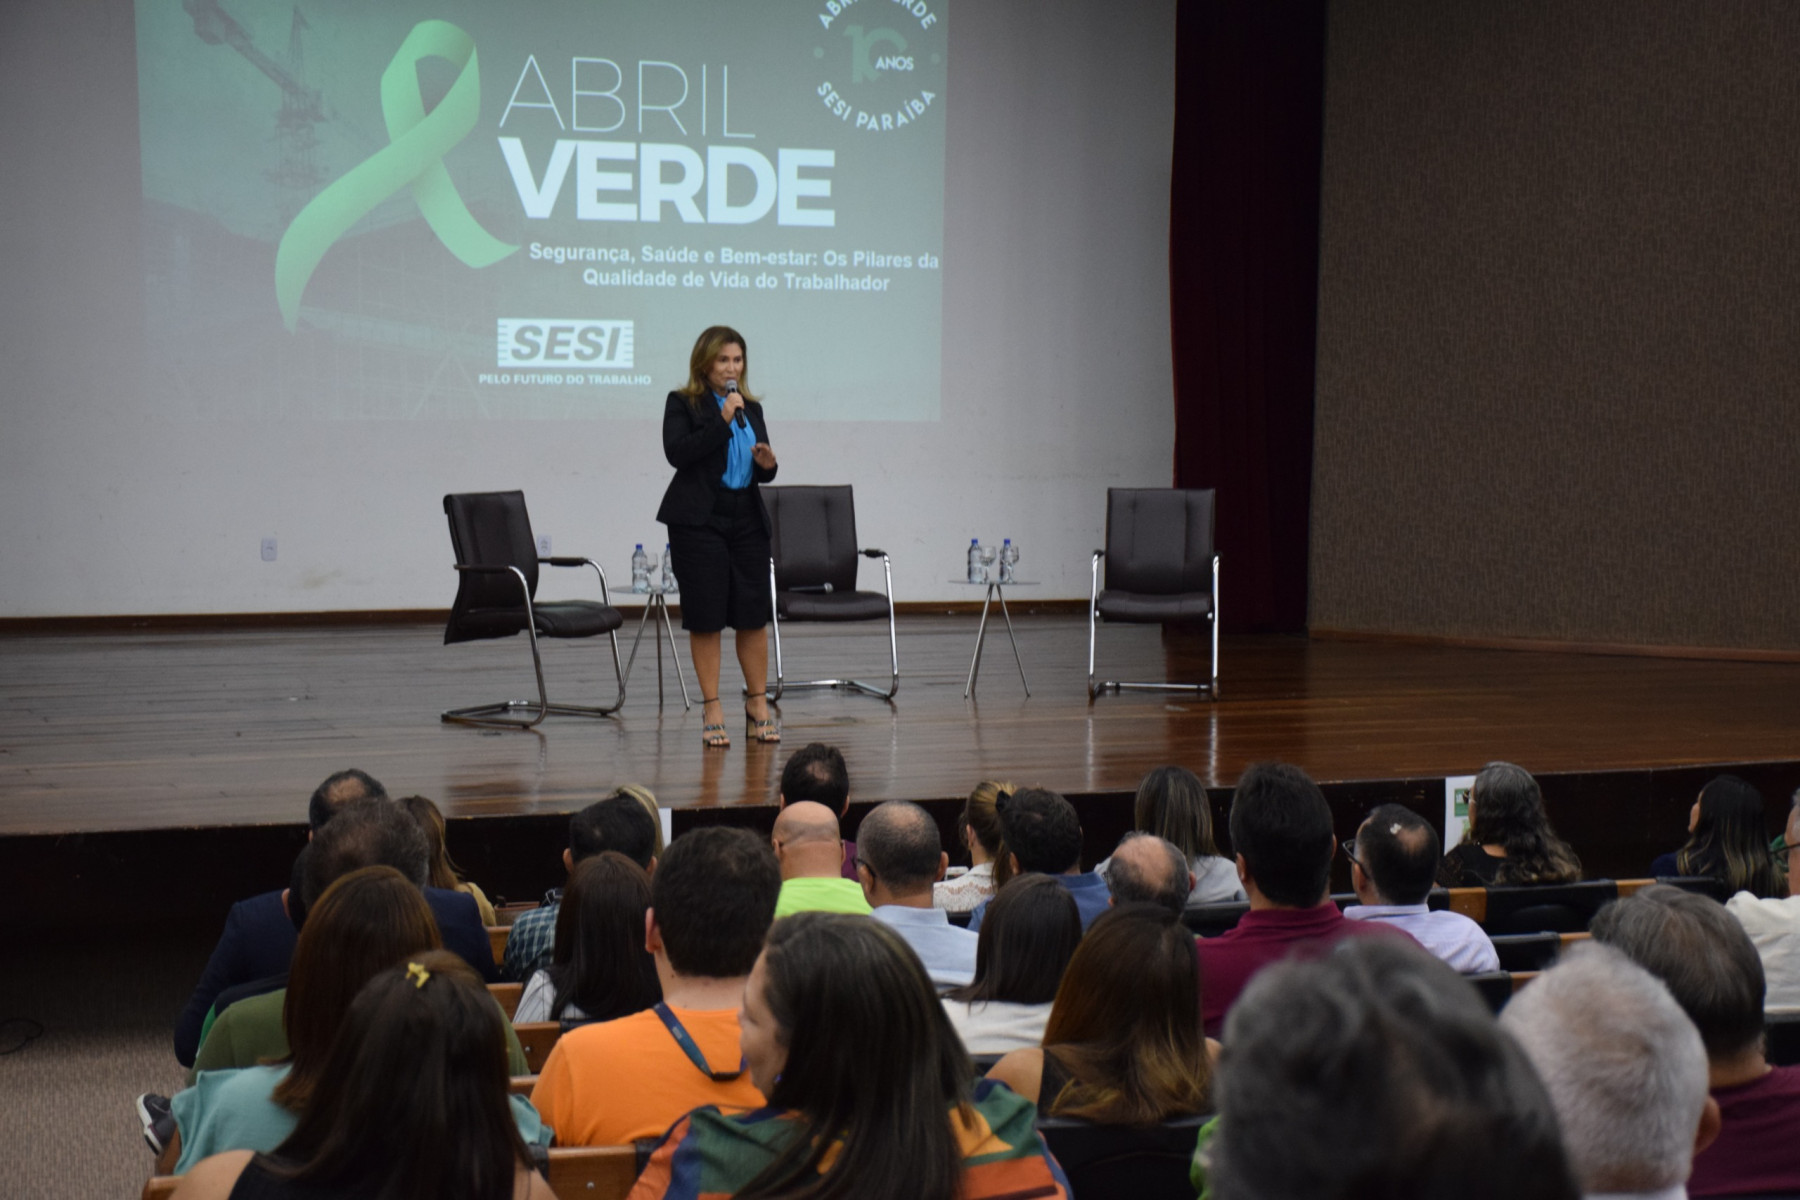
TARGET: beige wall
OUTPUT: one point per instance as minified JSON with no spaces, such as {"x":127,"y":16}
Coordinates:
{"x":1559,"y":326}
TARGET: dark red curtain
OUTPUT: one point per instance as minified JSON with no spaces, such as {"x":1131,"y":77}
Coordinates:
{"x":1243,"y":267}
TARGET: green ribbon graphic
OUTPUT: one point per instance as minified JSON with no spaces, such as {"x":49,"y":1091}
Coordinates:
{"x":417,"y":143}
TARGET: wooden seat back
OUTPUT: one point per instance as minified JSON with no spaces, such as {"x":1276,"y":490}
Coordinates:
{"x":592,"y":1172}
{"x":536,"y":1038}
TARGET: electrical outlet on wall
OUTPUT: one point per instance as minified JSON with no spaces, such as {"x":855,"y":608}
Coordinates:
{"x":543,"y":545}
{"x":268,"y":549}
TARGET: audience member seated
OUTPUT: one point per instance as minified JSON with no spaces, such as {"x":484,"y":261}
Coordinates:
{"x":360,"y":926}
{"x":978,"y":829}
{"x":843,"y":1031}
{"x":1510,"y":842}
{"x":1043,"y":836}
{"x":1774,"y":925}
{"x":258,"y":939}
{"x":621,"y":822}
{"x":1172,"y":804}
{"x":1282,"y":831}
{"x":1728,"y":841}
{"x":818,"y":773}
{"x":600,"y":970}
{"x":1024,"y":946}
{"x":1706,"y":961}
{"x":412,"y":1101}
{"x":1624,"y":1067}
{"x":1123,"y":1044}
{"x":898,"y":859}
{"x":1375,"y":1071}
{"x":444,"y":871}
{"x":366,"y":833}
{"x":811,"y":854}
{"x":1146,"y":869}
{"x":1393,"y":860}
{"x":712,"y":899}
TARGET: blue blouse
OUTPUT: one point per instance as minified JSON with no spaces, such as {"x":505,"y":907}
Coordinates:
{"x":738,"y":459}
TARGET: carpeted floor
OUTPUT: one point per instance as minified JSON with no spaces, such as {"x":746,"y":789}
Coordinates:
{"x":108,"y":1009}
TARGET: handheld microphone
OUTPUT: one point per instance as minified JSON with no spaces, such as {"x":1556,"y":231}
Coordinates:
{"x":731,"y":390}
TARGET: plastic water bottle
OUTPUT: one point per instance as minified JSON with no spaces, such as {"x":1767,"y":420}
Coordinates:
{"x":1009,"y":559}
{"x":668,"y":575}
{"x":640,"y":570}
{"x":976,"y":573}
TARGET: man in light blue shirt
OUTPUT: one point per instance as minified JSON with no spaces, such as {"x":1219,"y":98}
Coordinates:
{"x":899,"y":855}
{"x":1043,"y":835}
{"x":1393,"y":862}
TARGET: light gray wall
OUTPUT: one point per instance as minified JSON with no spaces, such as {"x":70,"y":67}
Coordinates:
{"x":1056,"y":367}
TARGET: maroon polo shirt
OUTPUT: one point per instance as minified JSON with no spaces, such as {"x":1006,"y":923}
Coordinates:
{"x":1756,"y":1150}
{"x":1267,"y":935}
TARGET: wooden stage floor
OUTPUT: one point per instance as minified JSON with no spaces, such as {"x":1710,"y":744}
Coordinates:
{"x":186,"y":729}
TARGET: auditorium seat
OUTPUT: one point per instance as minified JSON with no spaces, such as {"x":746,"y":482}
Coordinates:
{"x":1527,"y":951}
{"x":1104,"y":1161}
{"x":521,"y":1085}
{"x":1782,"y":1039}
{"x":506,"y":914}
{"x":508,"y":995}
{"x":497,"y":935}
{"x":1550,"y":907}
{"x":592,"y":1172}
{"x":1704,"y":885}
{"x":536,"y":1038}
{"x":985,"y":1062}
{"x":1210,"y":920}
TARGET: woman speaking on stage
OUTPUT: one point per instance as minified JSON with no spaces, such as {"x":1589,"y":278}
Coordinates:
{"x":714,"y":437}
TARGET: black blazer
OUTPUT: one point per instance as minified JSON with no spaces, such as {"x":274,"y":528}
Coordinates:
{"x":694,"y":444}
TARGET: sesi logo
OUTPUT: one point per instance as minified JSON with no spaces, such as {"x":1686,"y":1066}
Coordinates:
{"x":564,"y":343}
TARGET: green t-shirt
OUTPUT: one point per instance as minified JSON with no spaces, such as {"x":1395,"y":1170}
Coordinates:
{"x":251,"y":1032}
{"x":820,"y":895}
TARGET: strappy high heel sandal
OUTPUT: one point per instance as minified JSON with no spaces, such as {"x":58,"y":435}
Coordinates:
{"x":713,"y":737}
{"x":765,"y":730}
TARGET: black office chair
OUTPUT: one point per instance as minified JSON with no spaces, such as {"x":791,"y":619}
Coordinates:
{"x":1160,"y":566}
{"x":812,"y":574}
{"x":497,"y":568}
{"x":1142,"y":1162}
{"x":1781,"y":1038}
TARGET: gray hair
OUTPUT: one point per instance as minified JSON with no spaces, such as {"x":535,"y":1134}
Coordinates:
{"x":1623,"y":1064}
{"x":1129,"y":883}
{"x":1377,"y":1071}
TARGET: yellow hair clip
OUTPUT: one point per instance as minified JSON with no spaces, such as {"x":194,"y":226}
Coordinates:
{"x":417,"y":974}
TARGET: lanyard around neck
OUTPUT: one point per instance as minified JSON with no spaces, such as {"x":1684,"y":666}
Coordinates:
{"x":685,"y":1040}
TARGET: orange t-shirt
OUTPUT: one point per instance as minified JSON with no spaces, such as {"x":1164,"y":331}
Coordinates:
{"x":615,"y":1082}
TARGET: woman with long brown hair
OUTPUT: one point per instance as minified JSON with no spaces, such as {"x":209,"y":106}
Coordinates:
{"x":599,"y":969}
{"x":1123,"y":1045}
{"x":1510,"y":840}
{"x":1031,"y":932}
{"x":870,"y":1094}
{"x":715,"y":438}
{"x":411,"y":1104}
{"x":444,"y":872}
{"x":1728,"y":841}
{"x":361,"y":925}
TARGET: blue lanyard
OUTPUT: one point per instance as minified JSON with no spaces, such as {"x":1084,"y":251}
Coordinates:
{"x":685,"y":1040}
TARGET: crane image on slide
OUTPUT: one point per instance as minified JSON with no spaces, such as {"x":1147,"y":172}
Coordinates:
{"x":301,"y":106}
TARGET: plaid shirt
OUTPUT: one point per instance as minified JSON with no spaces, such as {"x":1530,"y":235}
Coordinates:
{"x":530,"y":941}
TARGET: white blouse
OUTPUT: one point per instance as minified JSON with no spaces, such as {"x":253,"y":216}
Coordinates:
{"x":964,"y":892}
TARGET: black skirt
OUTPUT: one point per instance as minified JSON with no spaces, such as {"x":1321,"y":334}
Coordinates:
{"x":722,"y":566}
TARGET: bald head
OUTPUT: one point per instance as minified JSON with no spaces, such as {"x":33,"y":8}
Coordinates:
{"x":806,"y":841}
{"x":1148,"y":869}
{"x":899,"y":855}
